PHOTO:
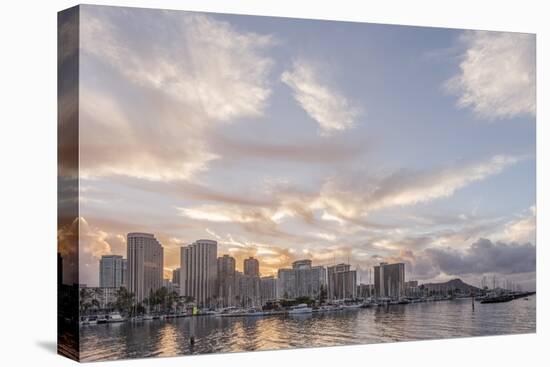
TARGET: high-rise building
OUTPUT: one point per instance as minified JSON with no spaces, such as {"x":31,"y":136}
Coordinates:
{"x":309,"y":279}
{"x":251,"y":267}
{"x":145,"y":264}
{"x":342,"y":282}
{"x":412,"y":289}
{"x":286,"y":284}
{"x":268,"y":287}
{"x":365,"y":290}
{"x":227,"y":288}
{"x":176,"y":276}
{"x":112,"y":271}
{"x":249,"y":290}
{"x":248,"y":284}
{"x":389,"y":280}
{"x":303,"y":280}
{"x":199,"y":272}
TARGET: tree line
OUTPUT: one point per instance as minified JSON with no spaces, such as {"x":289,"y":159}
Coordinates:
{"x":161,"y":301}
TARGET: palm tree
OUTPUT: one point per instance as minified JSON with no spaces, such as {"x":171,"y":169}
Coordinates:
{"x":160,"y":298}
{"x":179,"y":303}
{"x":171,"y":300}
{"x":95,"y":304}
{"x":84,"y":300}
{"x":125,"y":301}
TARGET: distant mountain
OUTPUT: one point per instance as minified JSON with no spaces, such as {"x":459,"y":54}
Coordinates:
{"x":451,"y":284}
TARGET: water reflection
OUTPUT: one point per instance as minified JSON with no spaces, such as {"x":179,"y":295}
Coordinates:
{"x":216,"y":334}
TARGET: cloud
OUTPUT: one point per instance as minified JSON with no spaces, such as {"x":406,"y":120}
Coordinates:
{"x":151,"y":96}
{"x":194,"y":59}
{"x":115,"y":141}
{"x":94,"y":243}
{"x":354,"y":198}
{"x":485,"y":256}
{"x":497,"y":76}
{"x":521,"y":229}
{"x":258,"y":220}
{"x":409,"y":188}
{"x":343,"y":202}
{"x":326,"y":105}
{"x":213,"y":213}
{"x":316,"y":152}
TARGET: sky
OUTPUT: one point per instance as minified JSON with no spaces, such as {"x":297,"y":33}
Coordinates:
{"x":287,"y":139}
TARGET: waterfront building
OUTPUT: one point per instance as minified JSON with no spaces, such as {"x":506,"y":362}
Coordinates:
{"x":176,"y":276}
{"x":268,"y":287}
{"x":389,"y":280}
{"x":303,"y":280}
{"x":286,"y":284}
{"x":112,"y":271}
{"x":309,"y":279}
{"x":251,"y":267}
{"x":365,"y":290}
{"x":198,"y":272}
{"x":412,"y":289}
{"x":227,"y":286}
{"x":342,"y":282}
{"x":171,"y":286}
{"x":145,"y":264}
{"x":249,"y":293}
{"x":248,"y":284}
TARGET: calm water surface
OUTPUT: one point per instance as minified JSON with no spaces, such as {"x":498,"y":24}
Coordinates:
{"x":421,"y":321}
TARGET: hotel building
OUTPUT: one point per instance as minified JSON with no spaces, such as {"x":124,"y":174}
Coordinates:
{"x":145,"y":264}
{"x":342,"y":282}
{"x":112,"y":271}
{"x":389,"y":280}
{"x":198,"y":272}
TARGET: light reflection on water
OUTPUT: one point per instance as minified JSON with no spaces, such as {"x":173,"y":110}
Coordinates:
{"x":420,"y":321}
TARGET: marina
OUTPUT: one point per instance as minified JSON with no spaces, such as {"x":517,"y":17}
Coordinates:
{"x":328,"y":327}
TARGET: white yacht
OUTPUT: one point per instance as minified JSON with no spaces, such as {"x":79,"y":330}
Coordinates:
{"x":115,"y":317}
{"x":301,"y":308}
{"x":230,"y":311}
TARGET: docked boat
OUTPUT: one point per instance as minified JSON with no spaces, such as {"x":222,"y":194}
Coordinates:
{"x":88,"y":320}
{"x":498,"y":299}
{"x":325,"y":308}
{"x":209,"y":313}
{"x":114,"y":318}
{"x":231,"y":312}
{"x":299,"y":309}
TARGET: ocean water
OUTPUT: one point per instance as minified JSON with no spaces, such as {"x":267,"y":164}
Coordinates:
{"x":421,"y":321}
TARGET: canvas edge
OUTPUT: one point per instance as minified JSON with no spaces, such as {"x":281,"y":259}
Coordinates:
{"x":68,"y":332}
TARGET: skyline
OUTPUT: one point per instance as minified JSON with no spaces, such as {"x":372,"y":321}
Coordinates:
{"x":369,"y":281}
{"x":287,"y":139}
